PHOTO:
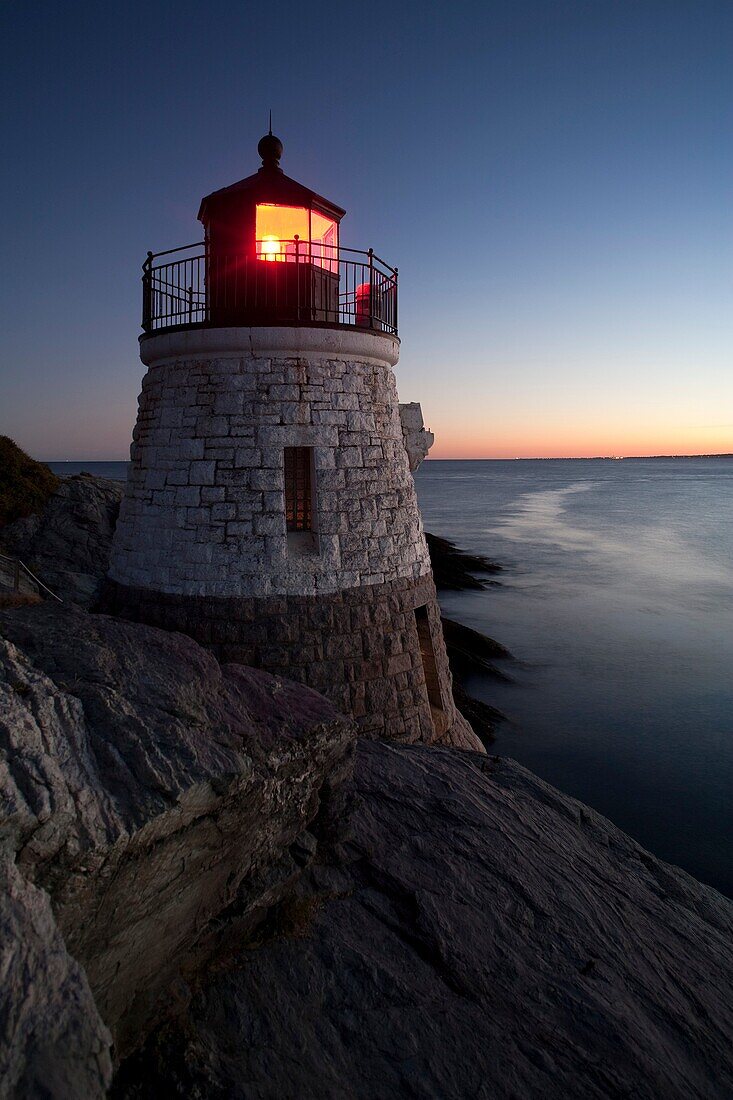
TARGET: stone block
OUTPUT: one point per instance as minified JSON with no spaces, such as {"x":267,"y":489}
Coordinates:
{"x":228,"y":403}
{"x":349,"y":458}
{"x":177,"y":477}
{"x":273,"y":501}
{"x":269,"y":524}
{"x":191,"y":448}
{"x":247,"y":457}
{"x":202,"y":473}
{"x":266,"y":479}
{"x":188,"y":495}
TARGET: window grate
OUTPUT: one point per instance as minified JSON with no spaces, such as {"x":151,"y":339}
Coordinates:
{"x":298,"y":489}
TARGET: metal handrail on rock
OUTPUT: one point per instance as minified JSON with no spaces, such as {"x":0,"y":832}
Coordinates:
{"x":18,"y":567}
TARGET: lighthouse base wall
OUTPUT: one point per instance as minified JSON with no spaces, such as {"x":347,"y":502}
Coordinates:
{"x":372,"y":650}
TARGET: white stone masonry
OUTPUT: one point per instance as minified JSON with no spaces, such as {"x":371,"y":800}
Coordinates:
{"x":204,"y":510}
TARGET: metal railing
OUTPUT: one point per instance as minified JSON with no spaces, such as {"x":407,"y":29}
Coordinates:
{"x":17,"y":577}
{"x":280,"y":282}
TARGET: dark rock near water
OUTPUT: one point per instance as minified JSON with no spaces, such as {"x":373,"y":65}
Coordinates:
{"x":483,"y":936}
{"x":149,"y":791}
{"x":483,"y":719}
{"x":67,"y":544}
{"x":471,"y":652}
{"x":174,"y":844}
{"x":454,"y":569}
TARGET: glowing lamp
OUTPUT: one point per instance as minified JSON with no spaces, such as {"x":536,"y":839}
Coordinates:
{"x":296,"y":233}
{"x":271,"y":249}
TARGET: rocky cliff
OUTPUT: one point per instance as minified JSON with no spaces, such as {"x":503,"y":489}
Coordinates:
{"x":191,"y":875}
{"x":483,"y":936}
{"x":195,"y":894}
{"x":418,"y":439}
{"x":153,"y":796}
{"x":67,"y":542}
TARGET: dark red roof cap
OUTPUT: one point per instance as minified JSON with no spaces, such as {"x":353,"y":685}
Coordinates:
{"x":270,"y":184}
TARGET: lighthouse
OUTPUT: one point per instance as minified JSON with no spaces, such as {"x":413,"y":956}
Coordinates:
{"x":270,"y":511}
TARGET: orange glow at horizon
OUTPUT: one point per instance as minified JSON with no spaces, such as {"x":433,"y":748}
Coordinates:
{"x":462,"y":444}
{"x":609,"y":432}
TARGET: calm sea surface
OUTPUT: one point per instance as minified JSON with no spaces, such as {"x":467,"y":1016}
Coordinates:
{"x":617,"y":601}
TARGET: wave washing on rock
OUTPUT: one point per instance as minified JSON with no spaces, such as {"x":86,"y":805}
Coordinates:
{"x":202,"y":900}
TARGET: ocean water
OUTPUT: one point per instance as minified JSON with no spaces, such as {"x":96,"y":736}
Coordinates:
{"x":115,"y":470}
{"x":617,"y":602}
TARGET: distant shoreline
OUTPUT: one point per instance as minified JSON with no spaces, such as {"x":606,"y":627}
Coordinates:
{"x":585,"y":458}
{"x":530,"y":458}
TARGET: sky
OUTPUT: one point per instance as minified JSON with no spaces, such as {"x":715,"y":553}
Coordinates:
{"x":554,"y":180}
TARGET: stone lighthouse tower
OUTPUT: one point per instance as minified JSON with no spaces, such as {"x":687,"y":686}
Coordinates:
{"x":270,"y":512}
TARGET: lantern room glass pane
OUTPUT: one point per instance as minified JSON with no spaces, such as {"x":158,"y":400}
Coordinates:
{"x":324,"y":241}
{"x":276,"y":227}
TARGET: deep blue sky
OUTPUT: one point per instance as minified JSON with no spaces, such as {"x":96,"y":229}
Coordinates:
{"x":554,"y":180}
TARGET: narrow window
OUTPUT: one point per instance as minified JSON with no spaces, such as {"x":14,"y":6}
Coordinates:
{"x":430,"y":667}
{"x":300,"y":511}
{"x":298,"y":489}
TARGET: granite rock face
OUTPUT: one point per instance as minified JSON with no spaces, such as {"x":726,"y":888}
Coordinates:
{"x":418,"y":438}
{"x":68,"y":544}
{"x":149,"y":791}
{"x":52,"y":1040}
{"x":484,"y":936}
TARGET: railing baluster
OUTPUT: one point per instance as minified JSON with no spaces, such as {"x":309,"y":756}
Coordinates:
{"x":209,"y":290}
{"x":297,"y":277}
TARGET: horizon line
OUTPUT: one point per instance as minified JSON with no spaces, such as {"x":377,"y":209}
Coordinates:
{"x":518,"y":458}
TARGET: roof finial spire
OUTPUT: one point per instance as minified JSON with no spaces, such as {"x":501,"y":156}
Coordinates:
{"x":270,"y":149}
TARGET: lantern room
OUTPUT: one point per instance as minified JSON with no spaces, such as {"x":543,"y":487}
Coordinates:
{"x":281,"y":230}
{"x":271,"y":255}
{"x":272,"y":245}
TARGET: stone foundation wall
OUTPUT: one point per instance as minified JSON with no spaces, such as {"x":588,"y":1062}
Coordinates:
{"x":359,"y":648}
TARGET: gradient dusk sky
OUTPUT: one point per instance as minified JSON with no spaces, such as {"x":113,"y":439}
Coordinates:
{"x":554,"y":180}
